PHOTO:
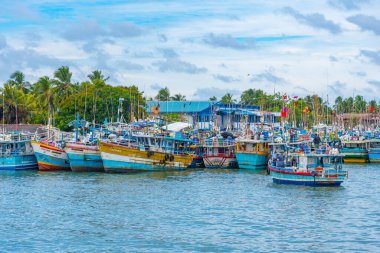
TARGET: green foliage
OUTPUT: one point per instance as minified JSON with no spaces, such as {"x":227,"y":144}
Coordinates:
{"x":213,"y":99}
{"x":228,"y":99}
{"x":163,"y":94}
{"x":98,"y":102}
{"x":178,"y":97}
{"x":59,"y":98}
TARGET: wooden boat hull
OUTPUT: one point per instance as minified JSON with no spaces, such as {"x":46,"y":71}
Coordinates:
{"x":118,"y":158}
{"x":374,"y":155}
{"x":197,"y":162}
{"x":222,"y":161}
{"x":252,"y":161}
{"x":287,"y":176}
{"x":354,"y":155}
{"x":84,"y":158}
{"x":50,"y":158}
{"x":18,"y":162}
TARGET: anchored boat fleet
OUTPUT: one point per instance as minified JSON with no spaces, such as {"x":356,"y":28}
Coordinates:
{"x":290,"y":155}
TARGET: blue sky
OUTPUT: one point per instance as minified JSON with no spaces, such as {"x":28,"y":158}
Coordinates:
{"x":199,"y":48}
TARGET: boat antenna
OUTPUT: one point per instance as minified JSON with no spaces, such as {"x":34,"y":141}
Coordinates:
{"x":85,"y":104}
{"x":3,"y":112}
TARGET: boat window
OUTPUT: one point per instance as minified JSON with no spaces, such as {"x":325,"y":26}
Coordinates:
{"x":326,"y":161}
{"x":303,"y":162}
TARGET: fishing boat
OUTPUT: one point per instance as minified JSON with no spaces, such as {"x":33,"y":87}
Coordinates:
{"x":48,"y":146}
{"x":83,"y":152}
{"x":84,"y":157}
{"x":16,"y":152}
{"x":309,"y":168}
{"x":146,"y":153}
{"x":219,"y":153}
{"x":355,"y":151}
{"x":374,"y":150}
{"x":252,"y":154}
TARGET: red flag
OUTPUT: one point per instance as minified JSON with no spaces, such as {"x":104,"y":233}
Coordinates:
{"x":283,"y":114}
{"x":371,"y":109}
{"x":157,"y":108}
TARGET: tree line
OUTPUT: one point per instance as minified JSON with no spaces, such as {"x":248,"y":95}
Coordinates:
{"x":59,"y":98}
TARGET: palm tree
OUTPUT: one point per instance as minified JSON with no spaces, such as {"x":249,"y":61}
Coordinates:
{"x":163,"y":94}
{"x":213,"y":99}
{"x":338,"y":104}
{"x":18,"y":80}
{"x":228,"y":99}
{"x":18,"y":105}
{"x":360,"y":104}
{"x":63,"y":82}
{"x":97,"y":75}
{"x":45,"y":92}
{"x":178,"y":97}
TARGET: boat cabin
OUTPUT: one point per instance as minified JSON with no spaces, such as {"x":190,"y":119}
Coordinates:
{"x":252,"y":146}
{"x":219,"y":147}
{"x":314,"y":162}
{"x":355,"y":144}
{"x":8,"y":148}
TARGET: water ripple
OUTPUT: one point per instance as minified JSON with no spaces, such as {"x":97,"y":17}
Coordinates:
{"x":206,"y":210}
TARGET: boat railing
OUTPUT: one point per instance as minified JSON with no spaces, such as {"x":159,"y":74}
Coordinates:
{"x":15,"y":153}
{"x":331,"y":173}
{"x":218,"y":143}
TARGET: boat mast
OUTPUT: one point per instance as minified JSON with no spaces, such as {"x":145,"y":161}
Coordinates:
{"x":3,"y":112}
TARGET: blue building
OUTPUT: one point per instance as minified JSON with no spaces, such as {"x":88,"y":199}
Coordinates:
{"x":208,"y":114}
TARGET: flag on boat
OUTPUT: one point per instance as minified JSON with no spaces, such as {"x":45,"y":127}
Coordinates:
{"x":156,"y":108}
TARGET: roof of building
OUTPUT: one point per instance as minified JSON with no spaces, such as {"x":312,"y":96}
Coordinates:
{"x":178,"y":106}
{"x":31,"y":128}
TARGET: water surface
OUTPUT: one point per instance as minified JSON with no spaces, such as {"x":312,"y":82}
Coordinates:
{"x":207,"y":210}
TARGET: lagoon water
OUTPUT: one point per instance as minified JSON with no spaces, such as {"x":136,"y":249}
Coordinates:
{"x":206,"y":210}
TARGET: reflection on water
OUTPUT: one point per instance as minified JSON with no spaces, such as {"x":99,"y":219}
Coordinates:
{"x":194,"y":210}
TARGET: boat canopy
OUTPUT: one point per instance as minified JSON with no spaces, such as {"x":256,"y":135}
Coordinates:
{"x":177,"y":126}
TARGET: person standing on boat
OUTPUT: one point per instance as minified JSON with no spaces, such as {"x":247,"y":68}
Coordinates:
{"x":316,"y":141}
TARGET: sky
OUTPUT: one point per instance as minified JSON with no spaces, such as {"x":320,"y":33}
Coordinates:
{"x":199,"y":48}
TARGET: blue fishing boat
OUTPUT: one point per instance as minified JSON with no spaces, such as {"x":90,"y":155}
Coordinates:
{"x":374,"y":151}
{"x":355,"y":151}
{"x":16,"y":152}
{"x":84,"y":157}
{"x":252,"y":154}
{"x":309,"y":168}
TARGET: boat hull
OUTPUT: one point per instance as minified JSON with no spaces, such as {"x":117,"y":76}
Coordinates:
{"x":215,"y":162}
{"x":197,"y":162}
{"x":355,"y":155}
{"x":252,"y":161}
{"x":374,"y":155}
{"x":50,"y":158}
{"x":84,"y":158}
{"x":18,"y":162}
{"x":282,"y":176}
{"x":118,"y":158}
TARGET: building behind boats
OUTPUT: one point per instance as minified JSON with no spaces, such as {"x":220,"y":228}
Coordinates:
{"x":208,"y":114}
